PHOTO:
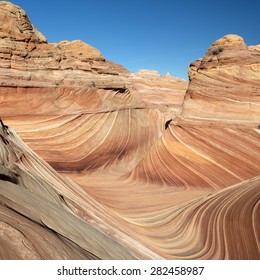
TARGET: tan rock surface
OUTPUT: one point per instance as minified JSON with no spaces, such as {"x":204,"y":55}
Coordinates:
{"x":225,"y":83}
{"x":55,"y":208}
{"x":16,"y":26}
{"x":165,"y":93}
{"x":127,"y":187}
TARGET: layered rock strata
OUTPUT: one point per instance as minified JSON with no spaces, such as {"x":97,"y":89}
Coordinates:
{"x":165,"y":93}
{"x":35,"y":200}
{"x":225,"y":83}
{"x":130,"y":184}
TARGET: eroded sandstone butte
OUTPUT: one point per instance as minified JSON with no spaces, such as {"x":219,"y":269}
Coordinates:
{"x":225,"y":83}
{"x":103,"y":159}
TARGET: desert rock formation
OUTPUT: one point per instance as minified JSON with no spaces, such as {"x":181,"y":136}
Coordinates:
{"x":165,"y":93}
{"x":89,"y":166}
{"x":225,"y":83}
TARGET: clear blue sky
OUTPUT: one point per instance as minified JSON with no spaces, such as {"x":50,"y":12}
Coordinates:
{"x":165,"y":35}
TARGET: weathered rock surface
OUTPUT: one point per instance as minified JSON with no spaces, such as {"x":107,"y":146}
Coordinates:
{"x":165,"y":93}
{"x":225,"y":83}
{"x":71,"y":83}
{"x":88,"y":224}
{"x":123,"y":184}
{"x":28,"y":61}
{"x":65,"y":218}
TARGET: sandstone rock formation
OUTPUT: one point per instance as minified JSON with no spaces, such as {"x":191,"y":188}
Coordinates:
{"x":93,"y":170}
{"x":39,"y":212}
{"x":165,"y":93}
{"x":225,"y":83}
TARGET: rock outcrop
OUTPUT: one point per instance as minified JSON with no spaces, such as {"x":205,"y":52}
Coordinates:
{"x":97,"y":173}
{"x":70,"y":84}
{"x":165,"y":93}
{"x":225,"y":83}
{"x":28,"y":61}
{"x":34,"y":200}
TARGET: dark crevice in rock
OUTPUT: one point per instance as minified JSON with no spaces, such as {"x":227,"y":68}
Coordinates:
{"x":117,"y":90}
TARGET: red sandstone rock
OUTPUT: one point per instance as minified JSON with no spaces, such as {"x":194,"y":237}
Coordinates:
{"x":127,"y":187}
{"x":165,"y":93}
{"x":225,"y":83}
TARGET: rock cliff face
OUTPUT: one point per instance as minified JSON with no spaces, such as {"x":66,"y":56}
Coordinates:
{"x":52,"y":70}
{"x":165,"y":93}
{"x":96,"y":170}
{"x":225,"y":83}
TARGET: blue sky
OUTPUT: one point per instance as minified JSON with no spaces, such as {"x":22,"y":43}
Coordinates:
{"x":165,"y":35}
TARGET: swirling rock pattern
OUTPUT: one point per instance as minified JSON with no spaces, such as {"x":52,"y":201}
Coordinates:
{"x":114,"y":165}
{"x":31,"y":192}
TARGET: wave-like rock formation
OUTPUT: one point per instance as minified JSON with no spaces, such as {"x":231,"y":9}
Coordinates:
{"x":35,"y":200}
{"x":201,"y":157}
{"x":109,"y":164}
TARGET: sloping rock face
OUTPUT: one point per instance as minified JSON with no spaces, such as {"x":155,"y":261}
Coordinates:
{"x":165,"y":93}
{"x":210,"y":143}
{"x":70,"y":84}
{"x":15,"y":25}
{"x":108,"y":177}
{"x":40,"y":211}
{"x":62,"y":85}
{"x":225,"y":83}
{"x":28,"y":61}
{"x":43,"y":217}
